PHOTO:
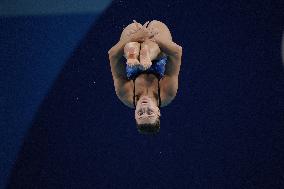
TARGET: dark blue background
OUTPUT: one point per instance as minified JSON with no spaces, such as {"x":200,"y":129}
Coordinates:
{"x":33,"y":51}
{"x":223,"y":130}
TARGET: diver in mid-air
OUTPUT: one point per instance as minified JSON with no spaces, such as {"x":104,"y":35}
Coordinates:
{"x":145,"y":65}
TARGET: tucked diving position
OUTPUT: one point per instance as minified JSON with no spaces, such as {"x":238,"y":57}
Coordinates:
{"x":145,"y":65}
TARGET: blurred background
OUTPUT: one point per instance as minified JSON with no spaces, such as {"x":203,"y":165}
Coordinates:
{"x":37,"y":38}
{"x":61,"y":125}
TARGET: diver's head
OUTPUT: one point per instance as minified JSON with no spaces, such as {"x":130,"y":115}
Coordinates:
{"x":147,"y":115}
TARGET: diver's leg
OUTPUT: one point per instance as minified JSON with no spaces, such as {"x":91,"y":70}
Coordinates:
{"x":149,"y":51}
{"x":154,"y":49}
{"x":131,"y":53}
{"x":131,"y":50}
{"x":145,"y":60}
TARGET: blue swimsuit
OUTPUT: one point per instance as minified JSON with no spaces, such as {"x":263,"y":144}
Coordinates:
{"x":157,"y":68}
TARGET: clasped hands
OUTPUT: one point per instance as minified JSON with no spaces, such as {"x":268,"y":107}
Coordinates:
{"x":142,"y":33}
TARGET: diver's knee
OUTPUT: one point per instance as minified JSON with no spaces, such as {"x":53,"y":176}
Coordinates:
{"x":157,"y":23}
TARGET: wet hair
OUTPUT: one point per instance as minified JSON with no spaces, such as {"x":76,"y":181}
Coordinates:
{"x":149,"y":128}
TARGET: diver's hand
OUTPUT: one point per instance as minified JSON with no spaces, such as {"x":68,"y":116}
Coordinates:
{"x":138,"y":26}
{"x":140,"y":34}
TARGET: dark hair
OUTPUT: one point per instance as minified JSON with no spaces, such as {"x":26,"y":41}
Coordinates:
{"x":152,"y":128}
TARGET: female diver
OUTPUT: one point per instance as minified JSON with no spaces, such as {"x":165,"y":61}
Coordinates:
{"x":150,"y":82}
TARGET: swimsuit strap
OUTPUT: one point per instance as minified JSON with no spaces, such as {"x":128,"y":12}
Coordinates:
{"x":134,"y":94}
{"x":159,"y":97}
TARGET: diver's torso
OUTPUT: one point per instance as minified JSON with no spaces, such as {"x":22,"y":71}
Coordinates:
{"x":146,"y":84}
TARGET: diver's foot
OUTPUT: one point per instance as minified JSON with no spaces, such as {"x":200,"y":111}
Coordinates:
{"x":132,"y":56}
{"x":132,"y":62}
{"x":145,"y":60}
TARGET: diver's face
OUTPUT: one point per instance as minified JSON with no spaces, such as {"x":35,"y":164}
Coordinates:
{"x":146,"y":111}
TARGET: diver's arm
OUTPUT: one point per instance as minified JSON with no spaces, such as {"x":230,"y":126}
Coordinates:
{"x":117,"y":67}
{"x":173,"y":65}
{"x":123,"y":86}
{"x":169,"y":47}
{"x":117,"y":51}
{"x":169,"y":83}
{"x":174,"y":53}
